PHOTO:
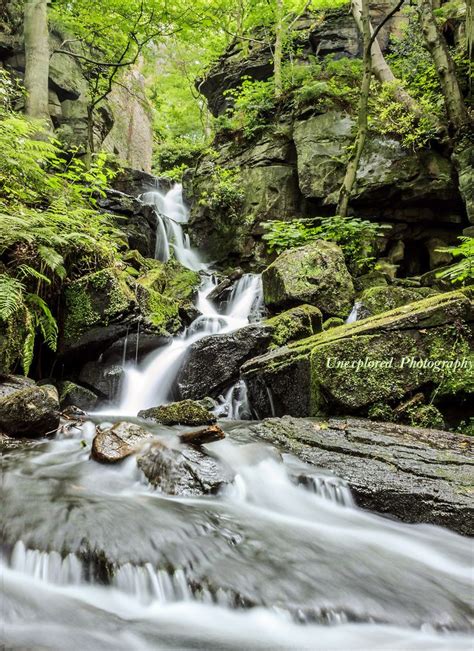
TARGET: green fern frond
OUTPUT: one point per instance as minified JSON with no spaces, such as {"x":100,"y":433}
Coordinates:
{"x":43,"y":319}
{"x":25,"y":271}
{"x":11,"y":296}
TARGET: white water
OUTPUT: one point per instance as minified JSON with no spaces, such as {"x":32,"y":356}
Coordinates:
{"x":151,"y":383}
{"x":354,"y":315}
{"x":303,"y":555}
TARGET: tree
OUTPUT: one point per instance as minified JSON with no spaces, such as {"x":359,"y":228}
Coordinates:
{"x":459,"y":120}
{"x":371,"y":50}
{"x":36,"y":58}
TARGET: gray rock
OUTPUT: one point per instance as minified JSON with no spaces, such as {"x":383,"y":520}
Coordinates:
{"x":31,"y":411}
{"x":104,"y":379}
{"x":187,"y":471}
{"x":72,"y":394}
{"x":214,"y":362}
{"x":417,"y":475}
{"x":199,"y":437}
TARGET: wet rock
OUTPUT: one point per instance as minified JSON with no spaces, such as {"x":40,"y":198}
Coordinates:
{"x":72,"y":394}
{"x":103,"y":378}
{"x":133,"y":347}
{"x":199,"y":437}
{"x":296,"y":323}
{"x":375,"y":300}
{"x":187,"y":471}
{"x":30,"y":411}
{"x":213,"y":363}
{"x":315,"y":274}
{"x":184,"y":412}
{"x":370,"y":279}
{"x":417,"y":475}
{"x":118,"y":442}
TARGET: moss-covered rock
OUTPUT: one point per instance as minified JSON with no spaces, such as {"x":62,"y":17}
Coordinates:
{"x":72,"y":394}
{"x":94,"y":300}
{"x":32,"y":411}
{"x":295,"y":323}
{"x":379,"y":359}
{"x":332,"y":322}
{"x":315,"y":274}
{"x":370,"y":279}
{"x":185,"y":412}
{"x":379,"y":299}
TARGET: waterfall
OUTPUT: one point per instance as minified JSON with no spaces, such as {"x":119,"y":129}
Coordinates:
{"x":171,"y":214}
{"x":354,"y":315}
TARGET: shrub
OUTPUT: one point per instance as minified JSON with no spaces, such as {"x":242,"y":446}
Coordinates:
{"x":461,"y":271}
{"x":355,"y":236}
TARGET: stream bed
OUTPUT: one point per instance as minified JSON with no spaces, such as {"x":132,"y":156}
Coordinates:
{"x":94,"y":558}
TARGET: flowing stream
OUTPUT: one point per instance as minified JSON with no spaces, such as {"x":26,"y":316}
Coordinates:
{"x":94,"y":558}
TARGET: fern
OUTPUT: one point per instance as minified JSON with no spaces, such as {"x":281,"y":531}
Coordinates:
{"x":43,"y":319}
{"x":463,"y":270}
{"x":11,"y":296}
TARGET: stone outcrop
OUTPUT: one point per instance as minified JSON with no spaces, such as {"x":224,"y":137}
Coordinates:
{"x":390,"y":351}
{"x":416,"y":475}
{"x":315,"y":274}
{"x":28,"y":410}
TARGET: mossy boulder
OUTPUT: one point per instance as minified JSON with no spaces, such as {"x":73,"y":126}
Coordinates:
{"x":184,"y":412}
{"x":370,"y":279}
{"x":379,"y":359}
{"x":315,"y":274}
{"x":332,"y":322}
{"x":72,"y":394}
{"x":295,"y":323}
{"x":95,"y":300}
{"x":375,"y":300}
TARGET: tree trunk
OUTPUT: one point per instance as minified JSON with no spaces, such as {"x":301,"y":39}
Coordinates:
{"x":278,"y":48}
{"x":436,"y":45}
{"x":36,"y":58}
{"x":458,"y":116}
{"x":380,"y":67}
{"x":358,"y":147}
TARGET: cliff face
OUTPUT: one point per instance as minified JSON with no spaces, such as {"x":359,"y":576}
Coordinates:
{"x":122,"y":123}
{"x":295,"y":166}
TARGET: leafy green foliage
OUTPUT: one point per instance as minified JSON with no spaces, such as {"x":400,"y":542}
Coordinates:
{"x":50,"y":229}
{"x":355,"y":236}
{"x":253,"y":103}
{"x":463,"y":270}
{"x":226,"y":194}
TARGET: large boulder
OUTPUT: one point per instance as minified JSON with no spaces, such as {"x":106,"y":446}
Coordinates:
{"x":382,"y":358}
{"x":102,"y":378}
{"x":315,"y":274}
{"x":214,"y":362}
{"x":417,"y":475}
{"x":118,"y":442}
{"x":375,"y":300}
{"x":184,"y":412}
{"x":31,"y":411}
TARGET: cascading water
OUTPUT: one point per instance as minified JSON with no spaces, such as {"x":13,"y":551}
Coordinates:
{"x":93,"y":558}
{"x":281,"y":558}
{"x":152,"y":383}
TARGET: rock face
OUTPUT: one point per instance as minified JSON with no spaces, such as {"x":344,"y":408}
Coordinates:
{"x":185,"y":412}
{"x":31,"y":411}
{"x":390,"y":351}
{"x":118,"y":442}
{"x":315,"y":274}
{"x":187,"y":471}
{"x":416,"y":475}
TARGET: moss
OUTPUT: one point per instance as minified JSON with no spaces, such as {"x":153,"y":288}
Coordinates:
{"x":296,"y":323}
{"x":159,"y":311}
{"x":382,"y":299}
{"x":332,"y":322}
{"x":185,"y":412}
{"x":173,"y":280}
{"x":94,"y":300}
{"x":381,"y":411}
{"x":12,"y":337}
{"x":426,"y":416}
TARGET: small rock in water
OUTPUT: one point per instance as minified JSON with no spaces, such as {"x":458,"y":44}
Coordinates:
{"x":30,"y":411}
{"x":201,"y":436}
{"x":118,"y":442}
{"x":185,"y":412}
{"x":183,"y":472}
